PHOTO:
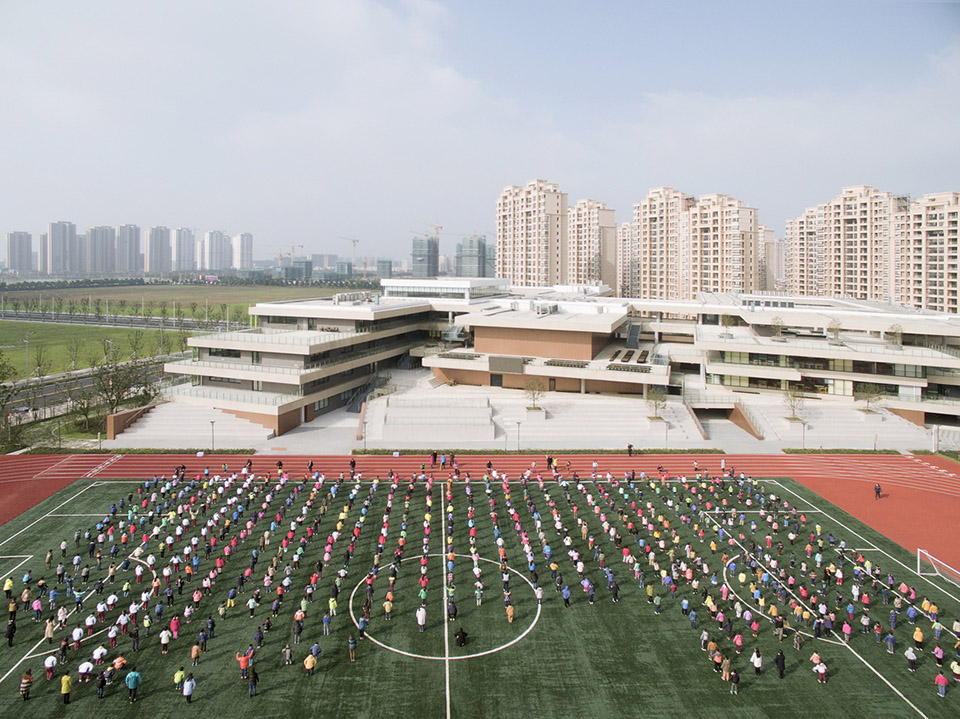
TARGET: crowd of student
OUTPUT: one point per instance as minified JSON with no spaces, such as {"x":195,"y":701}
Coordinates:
{"x":737,"y":561}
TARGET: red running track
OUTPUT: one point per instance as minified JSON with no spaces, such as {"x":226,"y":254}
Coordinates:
{"x":920,"y":503}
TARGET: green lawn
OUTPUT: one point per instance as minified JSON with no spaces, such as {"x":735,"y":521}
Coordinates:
{"x":195,"y":301}
{"x":597,"y":661}
{"x":56,"y":339}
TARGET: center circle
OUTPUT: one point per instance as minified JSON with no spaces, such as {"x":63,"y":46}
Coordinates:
{"x":412,"y":655}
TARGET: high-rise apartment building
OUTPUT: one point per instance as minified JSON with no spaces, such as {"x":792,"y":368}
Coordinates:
{"x":475,"y":257}
{"x":100,"y":255}
{"x":184,"y":249}
{"x":846,"y":247}
{"x":928,"y":248}
{"x":426,"y":256}
{"x":243,"y":251}
{"x":532,"y":234}
{"x":20,"y":252}
{"x":767,"y":242}
{"x":679,"y":246}
{"x":214,"y":251}
{"x":63,"y":255}
{"x":625,"y":259}
{"x":128,"y":250}
{"x":591,"y":244}
{"x":157,"y":251}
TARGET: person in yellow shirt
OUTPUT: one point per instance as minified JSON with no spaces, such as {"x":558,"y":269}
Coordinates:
{"x":8,"y":587}
{"x":918,"y":638}
{"x":66,"y":684}
{"x":310,"y":664}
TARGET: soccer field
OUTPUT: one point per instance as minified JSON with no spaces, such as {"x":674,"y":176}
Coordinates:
{"x":605,"y":659}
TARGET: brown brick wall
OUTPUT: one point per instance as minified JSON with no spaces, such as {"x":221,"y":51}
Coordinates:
{"x":538,"y":343}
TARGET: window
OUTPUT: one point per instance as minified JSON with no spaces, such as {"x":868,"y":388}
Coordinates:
{"x":220,"y":352}
{"x":320,"y":404}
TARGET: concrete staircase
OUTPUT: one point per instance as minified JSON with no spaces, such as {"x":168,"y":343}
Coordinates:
{"x":178,"y":424}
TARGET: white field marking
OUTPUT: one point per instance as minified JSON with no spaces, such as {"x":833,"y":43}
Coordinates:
{"x":42,"y":640}
{"x":103,"y":465}
{"x":79,"y":515}
{"x":852,"y":650}
{"x":443,"y":573}
{"x":36,"y":521}
{"x":19,"y":564}
{"x":14,"y":556}
{"x":106,"y":627}
{"x":52,"y":466}
{"x":509,"y":644}
{"x":886,"y":554}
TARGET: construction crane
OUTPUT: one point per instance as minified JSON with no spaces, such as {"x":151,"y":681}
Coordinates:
{"x":353,"y":241}
{"x":436,"y":229}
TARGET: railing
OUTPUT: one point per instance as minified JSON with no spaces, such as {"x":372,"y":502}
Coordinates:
{"x":752,"y":417}
{"x":714,"y":400}
{"x":459,"y":355}
{"x":573,"y":364}
{"x":628,"y":367}
{"x":434,"y":420}
{"x":225,"y":395}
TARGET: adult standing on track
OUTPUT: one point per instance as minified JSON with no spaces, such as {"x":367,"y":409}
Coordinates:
{"x":876,"y":491}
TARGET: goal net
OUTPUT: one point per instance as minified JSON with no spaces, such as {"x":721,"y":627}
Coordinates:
{"x":930,"y":566}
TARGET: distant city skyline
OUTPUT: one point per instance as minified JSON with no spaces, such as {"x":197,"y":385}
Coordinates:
{"x":294,"y":120}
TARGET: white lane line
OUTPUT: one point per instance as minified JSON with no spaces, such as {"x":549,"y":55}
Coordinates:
{"x":443,"y":614}
{"x":103,"y":465}
{"x":19,"y":564}
{"x":886,"y":554}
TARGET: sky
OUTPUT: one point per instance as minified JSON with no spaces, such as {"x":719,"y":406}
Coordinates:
{"x":307,"y":122}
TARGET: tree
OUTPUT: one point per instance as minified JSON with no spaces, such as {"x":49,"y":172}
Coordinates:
{"x":41,"y":361}
{"x":534,"y":389}
{"x":15,"y":303}
{"x":71,"y":308}
{"x":896,"y":334}
{"x":776,"y":324}
{"x":122,"y":307}
{"x":8,"y":392}
{"x":868,"y":394}
{"x":58,"y":306}
{"x":727,"y":321}
{"x":239,"y":314}
{"x":164,"y":312}
{"x":182,"y":337}
{"x":113,"y":381}
{"x":74,"y":348}
{"x":835,"y":328}
{"x":657,"y":399}
{"x":135,"y":339}
{"x":82,"y":403}
{"x":794,"y":399}
{"x":193,"y":310}
{"x":98,"y":308}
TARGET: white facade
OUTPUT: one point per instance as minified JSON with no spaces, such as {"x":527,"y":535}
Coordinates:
{"x":846,"y":247}
{"x":243,"y":251}
{"x":184,"y":250}
{"x":625,"y":258}
{"x":531,"y":234}
{"x":101,"y":251}
{"x":591,"y":244}
{"x":157,"y":251}
{"x":20,"y":252}
{"x":214,"y":251}
{"x":62,"y":249}
{"x":128,"y":249}
{"x":928,"y":250}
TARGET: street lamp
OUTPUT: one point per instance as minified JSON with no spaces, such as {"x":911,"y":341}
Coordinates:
{"x":212,"y":445}
{"x":803,"y":435}
{"x":110,"y":356}
{"x":518,"y":434}
{"x":364,"y":435}
{"x":666,"y":434}
{"x":26,"y":340}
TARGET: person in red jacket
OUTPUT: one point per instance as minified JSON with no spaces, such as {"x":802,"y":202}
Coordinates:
{"x":244,"y":660}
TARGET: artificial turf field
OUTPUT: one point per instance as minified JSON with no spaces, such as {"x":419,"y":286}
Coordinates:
{"x":602,"y":660}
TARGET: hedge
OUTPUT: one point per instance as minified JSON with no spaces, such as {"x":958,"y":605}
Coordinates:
{"x":793,"y":450}
{"x":85,"y":450}
{"x":533,"y":452}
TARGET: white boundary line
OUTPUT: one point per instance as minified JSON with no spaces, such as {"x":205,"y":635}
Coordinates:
{"x":852,"y":650}
{"x":103,"y":465}
{"x":905,"y":566}
{"x":443,"y":613}
{"x":484,"y":653}
{"x":19,"y":564}
{"x":36,"y":521}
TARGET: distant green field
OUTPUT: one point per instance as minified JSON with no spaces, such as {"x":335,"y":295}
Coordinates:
{"x":195,"y":301}
{"x":605,"y":660}
{"x":56,"y":340}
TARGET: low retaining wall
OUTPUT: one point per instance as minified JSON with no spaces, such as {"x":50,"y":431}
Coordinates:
{"x":119,"y":421}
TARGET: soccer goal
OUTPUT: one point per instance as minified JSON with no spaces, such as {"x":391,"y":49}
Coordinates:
{"x":930,"y":566}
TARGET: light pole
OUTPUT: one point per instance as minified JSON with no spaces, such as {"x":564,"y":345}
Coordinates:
{"x":666,"y":434}
{"x":518,"y":434}
{"x":364,"y":435}
{"x":110,"y":356}
{"x":803,"y":434}
{"x":26,"y":340}
{"x":212,"y":445}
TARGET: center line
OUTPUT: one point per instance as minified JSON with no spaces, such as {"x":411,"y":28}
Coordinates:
{"x":443,"y":609}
